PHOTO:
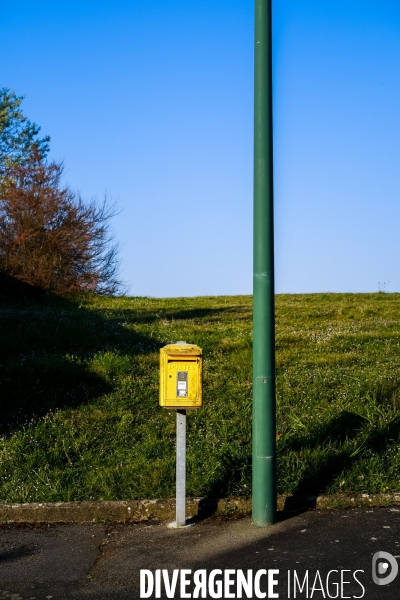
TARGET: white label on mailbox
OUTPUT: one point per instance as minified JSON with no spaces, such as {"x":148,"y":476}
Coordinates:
{"x":182,"y":384}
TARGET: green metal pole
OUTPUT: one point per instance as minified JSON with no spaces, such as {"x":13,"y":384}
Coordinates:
{"x":264,"y":460}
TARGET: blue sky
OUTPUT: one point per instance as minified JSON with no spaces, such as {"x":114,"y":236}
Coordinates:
{"x":152,"y":103}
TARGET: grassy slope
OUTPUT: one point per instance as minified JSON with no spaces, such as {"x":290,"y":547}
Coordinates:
{"x":79,"y":415}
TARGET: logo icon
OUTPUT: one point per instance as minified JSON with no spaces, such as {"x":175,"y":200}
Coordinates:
{"x":384,"y":568}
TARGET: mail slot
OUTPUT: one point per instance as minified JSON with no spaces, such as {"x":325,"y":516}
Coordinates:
{"x":181,"y":376}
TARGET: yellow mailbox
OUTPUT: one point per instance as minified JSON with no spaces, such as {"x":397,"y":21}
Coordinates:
{"x":181,"y":376}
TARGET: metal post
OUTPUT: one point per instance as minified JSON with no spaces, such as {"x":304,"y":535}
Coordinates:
{"x":180,"y":468}
{"x":264,"y":460}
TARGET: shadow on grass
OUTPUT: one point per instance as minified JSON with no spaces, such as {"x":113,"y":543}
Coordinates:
{"x":45,"y":345}
{"x":336,"y":455}
{"x":192,"y":314}
{"x":346,"y":426}
{"x":230,"y":475}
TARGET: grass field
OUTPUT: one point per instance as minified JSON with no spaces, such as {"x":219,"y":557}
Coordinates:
{"x":79,"y":414}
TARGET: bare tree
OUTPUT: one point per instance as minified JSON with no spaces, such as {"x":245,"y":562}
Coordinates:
{"x":49,"y":237}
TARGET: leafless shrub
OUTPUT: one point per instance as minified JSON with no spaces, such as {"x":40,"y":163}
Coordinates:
{"x":49,"y":237}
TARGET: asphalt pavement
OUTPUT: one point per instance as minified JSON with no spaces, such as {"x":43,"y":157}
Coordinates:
{"x":315,"y":554}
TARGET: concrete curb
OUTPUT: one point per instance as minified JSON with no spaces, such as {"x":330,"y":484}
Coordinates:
{"x":144,"y":510}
